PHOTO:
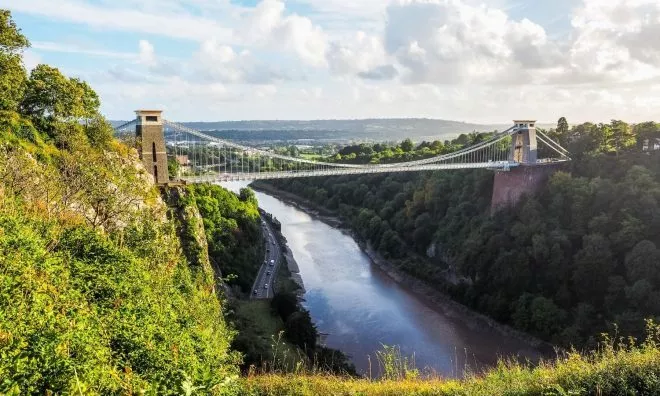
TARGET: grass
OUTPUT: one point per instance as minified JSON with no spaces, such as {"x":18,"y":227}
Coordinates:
{"x":619,"y":367}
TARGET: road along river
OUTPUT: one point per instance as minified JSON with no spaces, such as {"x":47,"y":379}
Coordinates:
{"x":360,"y":308}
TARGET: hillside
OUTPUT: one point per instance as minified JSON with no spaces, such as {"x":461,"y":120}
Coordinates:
{"x":385,"y":129}
{"x":96,"y":293}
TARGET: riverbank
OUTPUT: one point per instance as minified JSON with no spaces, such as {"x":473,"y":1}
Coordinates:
{"x":433,"y":298}
{"x":293,"y":271}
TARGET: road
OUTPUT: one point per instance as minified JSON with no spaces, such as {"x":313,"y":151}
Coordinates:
{"x":263,"y":284}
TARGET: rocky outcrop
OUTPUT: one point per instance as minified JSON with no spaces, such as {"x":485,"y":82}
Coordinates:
{"x":190,"y":229}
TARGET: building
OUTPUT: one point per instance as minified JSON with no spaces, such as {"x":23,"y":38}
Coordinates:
{"x":183,"y":160}
{"x":651,"y":144}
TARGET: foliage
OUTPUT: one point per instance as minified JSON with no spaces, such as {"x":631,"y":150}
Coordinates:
{"x":300,"y":330}
{"x":233,"y":231}
{"x":12,"y":73}
{"x":405,"y":151}
{"x":284,"y":304}
{"x":173,"y":167}
{"x":95,"y":294}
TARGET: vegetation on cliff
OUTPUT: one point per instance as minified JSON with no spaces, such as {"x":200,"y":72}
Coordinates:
{"x":565,"y":264}
{"x":95,"y":294}
{"x":233,"y":231}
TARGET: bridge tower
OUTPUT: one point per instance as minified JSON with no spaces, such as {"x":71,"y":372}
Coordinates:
{"x":526,"y":178}
{"x":523,"y":142}
{"x":151,"y":143}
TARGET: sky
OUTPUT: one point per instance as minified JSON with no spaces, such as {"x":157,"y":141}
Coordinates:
{"x":486,"y":61}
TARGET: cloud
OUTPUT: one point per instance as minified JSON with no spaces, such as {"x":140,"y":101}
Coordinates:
{"x":217,"y":62}
{"x":616,"y":40}
{"x":434,"y":58}
{"x":49,"y":46}
{"x":385,"y":72}
{"x":147,"y":55}
{"x":267,"y":26}
{"x":158,"y":21}
{"x":451,"y":42}
{"x":359,"y":53}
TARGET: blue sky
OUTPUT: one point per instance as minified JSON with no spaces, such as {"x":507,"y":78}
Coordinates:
{"x":472,"y":60}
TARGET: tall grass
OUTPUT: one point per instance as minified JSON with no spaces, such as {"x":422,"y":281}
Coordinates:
{"x":620,"y":366}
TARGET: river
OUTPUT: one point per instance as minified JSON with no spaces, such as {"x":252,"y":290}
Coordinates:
{"x":360,"y":308}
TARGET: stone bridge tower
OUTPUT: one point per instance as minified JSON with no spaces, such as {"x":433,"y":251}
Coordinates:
{"x":526,"y":178}
{"x":151,"y":143}
{"x":523,"y":143}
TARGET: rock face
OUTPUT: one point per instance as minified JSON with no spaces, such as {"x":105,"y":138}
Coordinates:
{"x":190,"y":229}
{"x":509,"y":187}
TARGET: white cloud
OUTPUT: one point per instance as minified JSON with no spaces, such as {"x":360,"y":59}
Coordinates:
{"x":49,"y":46}
{"x":147,"y":55}
{"x":449,"y":42}
{"x":159,"y":21}
{"x":268,"y":26}
{"x":616,"y":40}
{"x":356,"y":54}
{"x":373,"y":58}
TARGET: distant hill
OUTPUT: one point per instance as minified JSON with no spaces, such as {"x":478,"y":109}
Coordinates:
{"x":417,"y":129}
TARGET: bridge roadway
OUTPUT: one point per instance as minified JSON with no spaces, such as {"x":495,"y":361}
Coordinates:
{"x":263,"y":287}
{"x":500,"y":165}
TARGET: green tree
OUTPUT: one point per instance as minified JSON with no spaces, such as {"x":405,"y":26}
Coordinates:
{"x":562,"y":126}
{"x":407,"y":145}
{"x":284,"y":304}
{"x":593,"y":266}
{"x":643,"y":263}
{"x":173,"y":167}
{"x":12,"y":73}
{"x":99,"y":131}
{"x":52,"y":95}
{"x":622,"y":136}
{"x":300,"y":330}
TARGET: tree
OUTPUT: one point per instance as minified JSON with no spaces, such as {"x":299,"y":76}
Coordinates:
{"x":407,"y":145}
{"x":12,"y":72}
{"x":11,"y":38}
{"x":247,"y":195}
{"x":546,"y":318}
{"x":643,"y":262}
{"x":173,"y":167}
{"x":50,"y":96}
{"x":99,"y":132}
{"x":284,"y":304}
{"x":562,"y":127}
{"x":593,"y":266}
{"x":300,"y":330}
{"x":622,"y":136}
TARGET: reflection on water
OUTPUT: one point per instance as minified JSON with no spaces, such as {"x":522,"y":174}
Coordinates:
{"x":361,"y":308}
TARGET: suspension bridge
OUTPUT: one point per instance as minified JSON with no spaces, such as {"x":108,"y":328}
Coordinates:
{"x":202,"y":157}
